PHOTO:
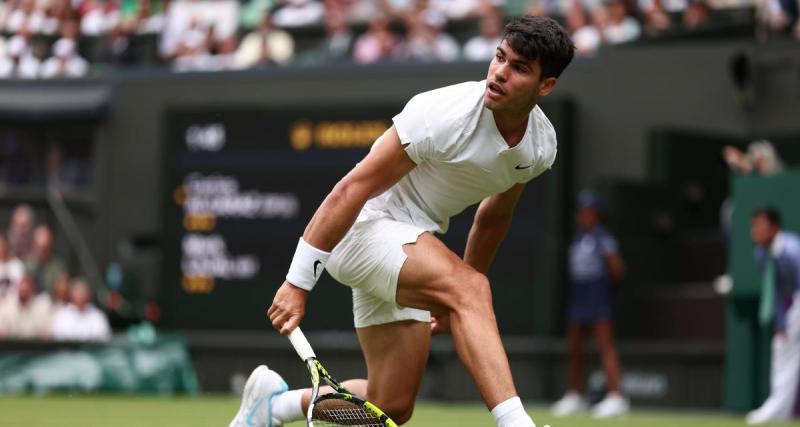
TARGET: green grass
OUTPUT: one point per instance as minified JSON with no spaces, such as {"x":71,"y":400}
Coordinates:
{"x":216,"y":411}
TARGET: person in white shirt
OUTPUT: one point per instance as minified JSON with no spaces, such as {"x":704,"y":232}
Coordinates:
{"x":27,"y":315}
{"x":617,"y":25}
{"x":427,"y":40}
{"x":12,"y":270}
{"x":299,"y":13}
{"x":586,"y":36}
{"x":80,"y":320}
{"x":65,"y":62}
{"x":266,"y":45}
{"x":475,"y":142}
{"x":482,"y":46}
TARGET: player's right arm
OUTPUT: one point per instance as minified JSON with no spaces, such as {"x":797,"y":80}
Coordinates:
{"x":385,"y":164}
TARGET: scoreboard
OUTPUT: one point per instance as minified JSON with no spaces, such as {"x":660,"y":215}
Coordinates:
{"x":241,"y":185}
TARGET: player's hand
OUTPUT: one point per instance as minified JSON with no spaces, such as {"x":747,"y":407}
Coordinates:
{"x":288,"y":308}
{"x":440,"y":324}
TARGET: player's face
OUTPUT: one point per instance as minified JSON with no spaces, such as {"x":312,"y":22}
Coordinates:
{"x":514,"y":84}
{"x":762,"y":231}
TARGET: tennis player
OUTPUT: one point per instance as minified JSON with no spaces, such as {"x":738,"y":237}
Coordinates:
{"x":448,"y":149}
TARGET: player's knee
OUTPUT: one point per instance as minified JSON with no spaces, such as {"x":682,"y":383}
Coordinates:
{"x":400,"y":410}
{"x":473,"y":292}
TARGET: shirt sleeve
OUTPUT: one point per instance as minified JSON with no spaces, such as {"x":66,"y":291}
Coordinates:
{"x":412,"y":127}
{"x":608,"y":245}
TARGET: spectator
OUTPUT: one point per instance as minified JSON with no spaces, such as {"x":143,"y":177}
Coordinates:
{"x":585,"y":35}
{"x":616,"y":24}
{"x":426,"y":40}
{"x":656,"y":18}
{"x":42,"y":265}
{"x":98,"y":17}
{"x":377,"y":44}
{"x":775,"y":15}
{"x":65,"y":62}
{"x":55,"y":12}
{"x":299,"y":13}
{"x":25,"y":17}
{"x":206,"y":53}
{"x":696,"y":14}
{"x":59,"y":295}
{"x":777,"y":255}
{"x":193,"y":43}
{"x":265,"y":46}
{"x":26,"y":315}
{"x":594,"y":264}
{"x":338,"y":43}
{"x":20,"y":231}
{"x":143,"y":16}
{"x":483,"y":46}
{"x":80,"y":320}
{"x":12,"y":270}
{"x":118,"y":50}
{"x":20,"y":61}
{"x":761,"y":158}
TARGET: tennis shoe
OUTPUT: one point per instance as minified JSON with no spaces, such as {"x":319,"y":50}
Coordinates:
{"x":614,"y":405}
{"x":571,"y":403}
{"x":765,"y":414}
{"x":256,"y":409}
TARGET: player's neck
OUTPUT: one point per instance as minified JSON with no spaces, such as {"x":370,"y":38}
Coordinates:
{"x":512,"y":127}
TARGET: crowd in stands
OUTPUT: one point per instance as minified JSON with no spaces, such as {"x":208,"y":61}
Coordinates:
{"x":71,"y":38}
{"x":38,"y":297}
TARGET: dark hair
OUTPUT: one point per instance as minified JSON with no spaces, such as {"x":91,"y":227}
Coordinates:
{"x":543,"y":39}
{"x":772,"y":215}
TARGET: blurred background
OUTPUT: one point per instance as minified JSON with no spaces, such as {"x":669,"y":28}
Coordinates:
{"x":158,"y":160}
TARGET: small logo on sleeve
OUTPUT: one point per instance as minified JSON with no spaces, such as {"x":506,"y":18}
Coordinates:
{"x":520,"y":167}
{"x":316,"y":264}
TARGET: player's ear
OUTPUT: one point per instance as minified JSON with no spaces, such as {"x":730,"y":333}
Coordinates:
{"x":546,"y":86}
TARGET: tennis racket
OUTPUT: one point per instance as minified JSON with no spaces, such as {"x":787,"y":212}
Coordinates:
{"x":340,"y":408}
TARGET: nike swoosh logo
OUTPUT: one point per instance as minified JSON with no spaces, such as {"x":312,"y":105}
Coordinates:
{"x":520,"y":167}
{"x":316,"y":263}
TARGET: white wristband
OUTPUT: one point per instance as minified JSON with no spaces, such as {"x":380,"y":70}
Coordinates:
{"x":307,"y":265}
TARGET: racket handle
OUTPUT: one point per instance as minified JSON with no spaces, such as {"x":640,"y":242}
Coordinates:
{"x":301,"y":345}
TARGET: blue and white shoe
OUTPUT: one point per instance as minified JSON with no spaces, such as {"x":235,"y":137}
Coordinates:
{"x":256,"y":409}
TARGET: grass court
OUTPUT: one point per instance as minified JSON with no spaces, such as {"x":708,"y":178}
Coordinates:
{"x":217,"y":410}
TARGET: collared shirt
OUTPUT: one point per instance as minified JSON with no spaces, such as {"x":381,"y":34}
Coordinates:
{"x":785,"y":251}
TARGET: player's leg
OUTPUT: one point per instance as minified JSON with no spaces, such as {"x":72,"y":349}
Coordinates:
{"x":396,"y":354}
{"x":434,"y":278}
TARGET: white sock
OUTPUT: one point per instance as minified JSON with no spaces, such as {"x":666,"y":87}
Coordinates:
{"x":510,"y":413}
{"x":286,"y":407}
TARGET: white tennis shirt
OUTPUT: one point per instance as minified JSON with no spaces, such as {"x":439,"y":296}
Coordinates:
{"x":460,"y":155}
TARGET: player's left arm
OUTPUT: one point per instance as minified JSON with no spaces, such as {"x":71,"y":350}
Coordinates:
{"x":489,"y":227}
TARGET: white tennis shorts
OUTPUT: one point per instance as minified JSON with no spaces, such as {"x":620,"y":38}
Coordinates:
{"x":368,"y":260}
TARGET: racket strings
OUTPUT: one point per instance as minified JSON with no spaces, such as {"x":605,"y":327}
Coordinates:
{"x":335,"y":412}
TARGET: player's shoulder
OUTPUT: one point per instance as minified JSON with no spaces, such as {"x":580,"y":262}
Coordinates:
{"x":544,"y":129}
{"x":450,"y":102}
{"x":791,"y":243}
{"x":543,"y":138}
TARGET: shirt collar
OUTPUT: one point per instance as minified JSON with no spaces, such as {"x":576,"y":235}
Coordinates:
{"x":776,"y":247}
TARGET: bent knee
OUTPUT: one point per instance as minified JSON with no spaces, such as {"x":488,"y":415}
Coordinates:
{"x":399,"y":411}
{"x":471,"y":291}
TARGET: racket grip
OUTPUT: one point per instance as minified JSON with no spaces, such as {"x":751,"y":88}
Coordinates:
{"x":301,"y":345}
